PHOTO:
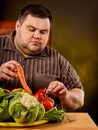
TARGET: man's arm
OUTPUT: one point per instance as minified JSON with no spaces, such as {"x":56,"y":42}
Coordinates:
{"x":73,"y":99}
{"x":69,"y":99}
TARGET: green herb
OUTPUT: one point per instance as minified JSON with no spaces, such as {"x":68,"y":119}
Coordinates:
{"x":54,"y":115}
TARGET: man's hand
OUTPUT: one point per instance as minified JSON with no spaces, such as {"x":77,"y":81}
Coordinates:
{"x":8,"y":70}
{"x":58,"y":89}
{"x":70,"y":99}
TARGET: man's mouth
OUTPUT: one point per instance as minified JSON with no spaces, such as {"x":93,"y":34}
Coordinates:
{"x":35,"y":43}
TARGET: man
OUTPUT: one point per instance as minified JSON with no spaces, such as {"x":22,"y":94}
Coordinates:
{"x":43,"y":66}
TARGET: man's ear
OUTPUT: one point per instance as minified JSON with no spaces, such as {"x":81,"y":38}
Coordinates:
{"x":17,"y":25}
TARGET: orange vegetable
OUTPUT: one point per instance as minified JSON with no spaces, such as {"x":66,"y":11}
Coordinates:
{"x":22,"y":79}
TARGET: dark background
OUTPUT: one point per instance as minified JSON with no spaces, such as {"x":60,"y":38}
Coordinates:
{"x":74,"y":34}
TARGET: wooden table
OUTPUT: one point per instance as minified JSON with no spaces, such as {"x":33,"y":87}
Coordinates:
{"x":72,"y":121}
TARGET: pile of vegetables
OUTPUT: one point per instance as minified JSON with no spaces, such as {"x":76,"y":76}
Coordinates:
{"x":24,"y":107}
{"x":20,"y":105}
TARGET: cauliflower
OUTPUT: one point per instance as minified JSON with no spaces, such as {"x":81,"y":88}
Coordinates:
{"x":28,"y":100}
{"x":25,"y":107}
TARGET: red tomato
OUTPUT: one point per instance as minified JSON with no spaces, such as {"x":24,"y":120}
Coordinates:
{"x":48,"y":103}
{"x":40,"y":94}
{"x":6,"y":91}
{"x":41,"y":90}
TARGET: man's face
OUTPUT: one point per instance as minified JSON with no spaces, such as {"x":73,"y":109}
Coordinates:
{"x":32,"y":36}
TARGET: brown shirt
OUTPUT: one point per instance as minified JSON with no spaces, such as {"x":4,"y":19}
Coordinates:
{"x":39,"y":70}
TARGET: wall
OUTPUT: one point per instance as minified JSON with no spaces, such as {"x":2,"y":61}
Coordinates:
{"x":74,"y":34}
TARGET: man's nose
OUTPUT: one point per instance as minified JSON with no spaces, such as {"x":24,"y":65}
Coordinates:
{"x":36,"y":34}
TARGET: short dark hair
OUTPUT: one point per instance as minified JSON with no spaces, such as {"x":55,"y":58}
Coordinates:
{"x":36,"y":10}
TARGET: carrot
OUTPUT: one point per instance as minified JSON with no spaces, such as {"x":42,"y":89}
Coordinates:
{"x":22,"y":79}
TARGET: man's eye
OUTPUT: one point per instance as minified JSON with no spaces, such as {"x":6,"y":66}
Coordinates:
{"x":32,"y":30}
{"x":43,"y":32}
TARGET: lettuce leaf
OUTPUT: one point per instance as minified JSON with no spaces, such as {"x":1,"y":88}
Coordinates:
{"x":4,"y":104}
{"x":54,"y":115}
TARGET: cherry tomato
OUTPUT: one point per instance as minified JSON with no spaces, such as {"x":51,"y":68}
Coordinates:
{"x":41,"y":90}
{"x":40,"y":94}
{"x":6,"y":90}
{"x":43,"y":97}
{"x":48,"y":103}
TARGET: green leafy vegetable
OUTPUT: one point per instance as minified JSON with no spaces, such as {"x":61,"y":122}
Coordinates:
{"x":2,"y":94}
{"x":4,"y":104}
{"x":41,"y":112}
{"x":4,"y":115}
{"x":54,"y":115}
{"x":24,"y":107}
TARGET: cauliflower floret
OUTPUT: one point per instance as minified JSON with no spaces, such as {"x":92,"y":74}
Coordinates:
{"x":29,"y":100}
